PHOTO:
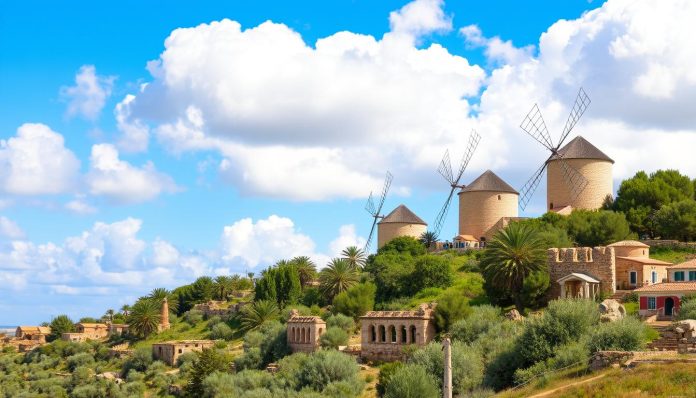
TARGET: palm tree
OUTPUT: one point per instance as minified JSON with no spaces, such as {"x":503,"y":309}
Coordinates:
{"x":428,"y":239}
{"x":514,"y":252}
{"x":254,"y":315}
{"x":109,"y":314}
{"x":305,"y":268}
{"x":144,"y":318}
{"x":224,"y":285}
{"x":355,"y":257}
{"x":159,"y":294}
{"x":337,"y":277}
{"x":251,"y":278}
{"x":125,"y":309}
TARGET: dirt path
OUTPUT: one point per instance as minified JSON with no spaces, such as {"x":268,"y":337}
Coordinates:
{"x":555,"y":390}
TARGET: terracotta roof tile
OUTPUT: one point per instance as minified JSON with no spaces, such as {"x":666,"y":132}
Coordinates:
{"x":305,"y":319}
{"x":403,"y":214}
{"x":580,"y":148}
{"x":685,"y":264}
{"x":668,"y":287}
{"x":489,"y":181}
{"x":643,"y":260}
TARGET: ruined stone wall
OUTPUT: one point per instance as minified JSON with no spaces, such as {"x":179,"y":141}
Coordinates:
{"x":170,"y":352}
{"x":599,"y":184}
{"x":390,"y":230}
{"x":598,"y":262}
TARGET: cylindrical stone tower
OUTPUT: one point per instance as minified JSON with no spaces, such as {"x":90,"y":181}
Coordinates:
{"x":631,"y":248}
{"x":484,"y":203}
{"x":592,"y":164}
{"x":400,"y":222}
{"x":164,"y":316}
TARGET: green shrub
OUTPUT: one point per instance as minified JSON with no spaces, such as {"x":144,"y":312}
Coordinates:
{"x":633,"y":298}
{"x":193,"y":317}
{"x":481,"y":319}
{"x":627,"y":334}
{"x":341,"y":321}
{"x":221,"y":332}
{"x":139,"y":361}
{"x":333,"y":338}
{"x":356,"y":301}
{"x":687,"y":310}
{"x":81,"y":359}
{"x":411,"y":381}
{"x":219,"y":384}
{"x":325,"y":367}
{"x":386,"y":371}
{"x":467,"y":365}
{"x":430,"y":271}
{"x":209,"y":361}
{"x":451,"y":307}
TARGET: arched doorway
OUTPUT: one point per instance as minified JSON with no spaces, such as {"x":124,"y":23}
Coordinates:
{"x":669,"y":306}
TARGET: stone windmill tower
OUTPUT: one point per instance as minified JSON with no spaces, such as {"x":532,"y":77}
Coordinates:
{"x":579,"y":175}
{"x":400,"y":222}
{"x":485,"y":204}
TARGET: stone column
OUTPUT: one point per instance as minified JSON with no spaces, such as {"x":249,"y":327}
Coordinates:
{"x":447,"y":382}
{"x":164,"y":315}
{"x":563,"y":289}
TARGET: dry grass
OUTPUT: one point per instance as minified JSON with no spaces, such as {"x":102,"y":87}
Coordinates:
{"x":645,"y":380}
{"x":371,"y":374}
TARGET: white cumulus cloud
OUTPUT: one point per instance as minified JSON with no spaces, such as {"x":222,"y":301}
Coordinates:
{"x":120,"y":182}
{"x":9,"y":229}
{"x":89,"y":94}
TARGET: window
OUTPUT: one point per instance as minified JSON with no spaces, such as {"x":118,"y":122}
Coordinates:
{"x":499,"y":198}
{"x":633,"y":275}
{"x":651,"y":303}
{"x":679,"y":276}
{"x":692,"y":275}
{"x":654,"y":277}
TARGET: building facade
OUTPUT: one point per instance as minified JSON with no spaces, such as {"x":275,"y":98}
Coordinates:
{"x":663,"y":299}
{"x":635,"y":268}
{"x":304,"y":332}
{"x":400,"y":222}
{"x":385,"y":334}
{"x":169,"y":351}
{"x":581,"y":272}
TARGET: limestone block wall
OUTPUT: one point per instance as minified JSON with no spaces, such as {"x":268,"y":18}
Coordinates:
{"x":384,"y":339}
{"x":598,"y":262}
{"x":598,"y":174}
{"x":390,"y":230}
{"x":480,"y":211}
{"x":661,"y":270}
{"x":170,"y":352}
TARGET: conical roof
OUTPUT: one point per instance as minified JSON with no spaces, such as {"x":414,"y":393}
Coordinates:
{"x":580,"y":148}
{"x":489,"y":181}
{"x":404,"y":215}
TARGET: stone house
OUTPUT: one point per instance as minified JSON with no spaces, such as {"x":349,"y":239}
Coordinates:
{"x":385,"y":334}
{"x":581,"y":272}
{"x":400,"y":222}
{"x":215,"y":308}
{"x":635,"y":268}
{"x":304,"y":332}
{"x":683,"y":272}
{"x":34,"y":333}
{"x":87,"y":331}
{"x":169,"y":351}
{"x":117,"y":328}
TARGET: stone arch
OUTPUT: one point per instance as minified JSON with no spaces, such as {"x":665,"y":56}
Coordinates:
{"x":413,"y":334}
{"x":382,"y":334}
{"x":302,"y":335}
{"x":392,"y":334}
{"x":404,"y":334}
{"x":292,"y":334}
{"x":307,"y":335}
{"x":320,"y":331}
{"x":373,"y":334}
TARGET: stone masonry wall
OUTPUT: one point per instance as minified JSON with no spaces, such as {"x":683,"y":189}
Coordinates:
{"x":598,"y":262}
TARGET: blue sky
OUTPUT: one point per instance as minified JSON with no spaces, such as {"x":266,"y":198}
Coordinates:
{"x":130,"y":162}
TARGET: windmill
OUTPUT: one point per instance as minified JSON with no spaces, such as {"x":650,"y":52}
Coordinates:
{"x":445,"y":169}
{"x":375,"y":211}
{"x":533,"y":124}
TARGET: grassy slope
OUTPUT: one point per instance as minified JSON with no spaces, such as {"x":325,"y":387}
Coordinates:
{"x":674,"y":256}
{"x":646,"y":380}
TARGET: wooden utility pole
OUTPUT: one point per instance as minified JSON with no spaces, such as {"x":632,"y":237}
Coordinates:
{"x":447,"y":384}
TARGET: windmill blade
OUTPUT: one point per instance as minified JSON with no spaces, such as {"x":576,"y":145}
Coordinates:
{"x":575,"y":181}
{"x":385,"y":189}
{"x":527,"y":191}
{"x":370,"y":205}
{"x":369,"y":238}
{"x":442,"y":215}
{"x":474,"y":139}
{"x":582,"y":101}
{"x":533,"y":124}
{"x":445,"y":168}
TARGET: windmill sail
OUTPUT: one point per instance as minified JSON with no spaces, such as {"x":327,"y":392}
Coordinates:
{"x":376,"y":210}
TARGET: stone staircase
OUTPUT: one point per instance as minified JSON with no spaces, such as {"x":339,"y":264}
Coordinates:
{"x":668,"y":340}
